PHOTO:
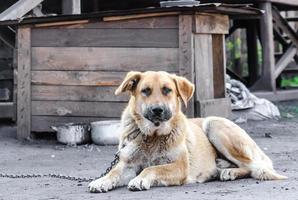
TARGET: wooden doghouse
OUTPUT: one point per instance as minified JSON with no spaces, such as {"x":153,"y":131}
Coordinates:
{"x":68,"y":69}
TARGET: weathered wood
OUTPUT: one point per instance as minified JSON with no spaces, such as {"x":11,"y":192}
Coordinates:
{"x":111,"y":59}
{"x":62,"y":24}
{"x":267,"y":81}
{"x":203,"y":66}
{"x":76,"y":93}
{"x":104,"y":37}
{"x":19,"y":9}
{"x":77,"y":108}
{"x":144,"y":23}
{"x":87,"y":78}
{"x":214,"y":107}
{"x":212,"y":23}
{"x":24,"y":78}
{"x":6,"y":74}
{"x":284,"y":25}
{"x":7,"y":110}
{"x":138,"y":16}
{"x":44,"y":123}
{"x":219,"y":65}
{"x":279,"y":95}
{"x":186,"y":54}
{"x":71,"y":7}
{"x":286,"y":58}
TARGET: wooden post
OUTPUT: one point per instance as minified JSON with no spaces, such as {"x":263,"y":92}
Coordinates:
{"x":24,"y":83}
{"x":186,"y":54}
{"x":252,"y":51}
{"x":219,"y":65}
{"x":71,"y":7}
{"x":267,"y":80}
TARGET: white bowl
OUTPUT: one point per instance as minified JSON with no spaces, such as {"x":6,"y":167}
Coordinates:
{"x":105,"y":132}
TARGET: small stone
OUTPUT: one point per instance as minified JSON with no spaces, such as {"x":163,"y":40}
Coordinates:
{"x":186,"y":192}
{"x":268,"y":135}
{"x":80,"y":184}
{"x":286,"y":188}
{"x":257,"y":182}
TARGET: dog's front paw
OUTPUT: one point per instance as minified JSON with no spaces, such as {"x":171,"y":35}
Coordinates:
{"x":101,"y":185}
{"x":227,"y":175}
{"x":138,"y":184}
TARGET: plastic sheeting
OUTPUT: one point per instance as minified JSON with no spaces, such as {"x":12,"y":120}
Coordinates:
{"x":246,"y":106}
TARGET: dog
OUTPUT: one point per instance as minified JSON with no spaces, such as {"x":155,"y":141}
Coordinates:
{"x":159,"y":146}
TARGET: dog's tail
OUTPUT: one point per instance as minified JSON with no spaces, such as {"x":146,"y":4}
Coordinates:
{"x":266,"y":174}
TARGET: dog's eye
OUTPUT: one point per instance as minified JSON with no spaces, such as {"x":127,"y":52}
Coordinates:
{"x":166,"y":91}
{"x":146,"y":91}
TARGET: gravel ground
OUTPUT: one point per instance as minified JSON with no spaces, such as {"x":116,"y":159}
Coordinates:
{"x":278,"y":139}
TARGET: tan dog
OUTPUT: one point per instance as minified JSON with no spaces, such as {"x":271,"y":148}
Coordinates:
{"x":159,"y":146}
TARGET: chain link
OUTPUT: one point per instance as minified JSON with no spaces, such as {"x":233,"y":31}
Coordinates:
{"x":61,"y":176}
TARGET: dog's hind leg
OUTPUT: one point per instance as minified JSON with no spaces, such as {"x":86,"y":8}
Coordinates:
{"x":238,"y":147}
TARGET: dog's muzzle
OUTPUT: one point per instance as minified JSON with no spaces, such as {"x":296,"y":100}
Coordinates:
{"x":157,"y":114}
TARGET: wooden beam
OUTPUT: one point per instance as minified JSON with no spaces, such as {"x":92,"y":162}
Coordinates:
{"x":71,"y":7}
{"x":285,"y":60}
{"x":19,"y":9}
{"x":24,"y":84}
{"x":281,"y":23}
{"x":138,"y":16}
{"x":267,"y":81}
{"x":186,"y":55}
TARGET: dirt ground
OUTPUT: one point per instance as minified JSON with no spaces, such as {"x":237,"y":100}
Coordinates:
{"x":279,"y":139}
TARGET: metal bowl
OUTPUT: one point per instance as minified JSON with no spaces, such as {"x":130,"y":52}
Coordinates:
{"x":73,"y":133}
{"x":105,"y":132}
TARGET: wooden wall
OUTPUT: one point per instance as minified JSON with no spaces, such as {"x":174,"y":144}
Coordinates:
{"x":75,"y":69}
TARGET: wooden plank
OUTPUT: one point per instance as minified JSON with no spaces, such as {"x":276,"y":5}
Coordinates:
{"x":267,"y":81}
{"x":71,"y":7}
{"x":168,"y":22}
{"x":44,"y":123}
{"x":75,"y":93}
{"x":219,"y":65}
{"x":186,"y":55}
{"x":87,"y":78}
{"x":203,"y":67}
{"x":88,"y":58}
{"x":62,"y":24}
{"x":24,"y":82}
{"x":6,"y":74}
{"x":212,"y":23}
{"x":19,"y":9}
{"x":104,"y":38}
{"x":286,"y":58}
{"x":7,"y":110}
{"x":138,"y":16}
{"x":77,"y":108}
{"x":214,"y":107}
{"x":279,"y":95}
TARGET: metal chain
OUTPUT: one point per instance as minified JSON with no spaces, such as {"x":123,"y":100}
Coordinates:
{"x":61,"y":176}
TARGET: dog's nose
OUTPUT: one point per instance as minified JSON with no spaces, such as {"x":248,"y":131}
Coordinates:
{"x":157,"y":110}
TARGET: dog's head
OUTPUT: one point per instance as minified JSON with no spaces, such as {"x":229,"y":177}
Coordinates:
{"x":155,"y":98}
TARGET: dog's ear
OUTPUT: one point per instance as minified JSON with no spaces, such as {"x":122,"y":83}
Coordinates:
{"x":184,"y":87}
{"x":129,"y":83}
